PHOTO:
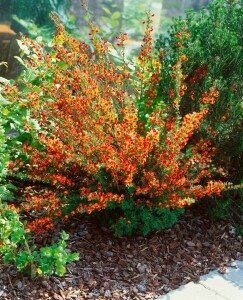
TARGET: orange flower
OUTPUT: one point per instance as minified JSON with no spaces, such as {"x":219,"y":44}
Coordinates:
{"x":216,"y":93}
{"x":184,"y":57}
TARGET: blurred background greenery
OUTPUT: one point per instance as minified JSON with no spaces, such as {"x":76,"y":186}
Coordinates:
{"x":31,"y":17}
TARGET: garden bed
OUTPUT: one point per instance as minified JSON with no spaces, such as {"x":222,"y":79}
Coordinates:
{"x":130,"y":267}
{"x":128,"y":142}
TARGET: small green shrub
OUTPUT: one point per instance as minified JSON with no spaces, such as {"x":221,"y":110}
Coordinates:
{"x":142,"y":220}
{"x":131,"y":219}
{"x":14,"y":246}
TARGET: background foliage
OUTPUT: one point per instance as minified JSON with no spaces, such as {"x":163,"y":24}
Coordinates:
{"x":214,"y":53}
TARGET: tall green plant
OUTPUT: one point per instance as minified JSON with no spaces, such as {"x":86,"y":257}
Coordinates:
{"x":208,"y":46}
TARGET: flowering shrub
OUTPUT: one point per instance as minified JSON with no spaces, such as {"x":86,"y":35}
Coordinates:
{"x":208,"y":47}
{"x":101,"y":142}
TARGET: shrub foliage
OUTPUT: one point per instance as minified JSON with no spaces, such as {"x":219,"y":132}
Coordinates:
{"x":97,"y":140}
{"x":208,"y":47}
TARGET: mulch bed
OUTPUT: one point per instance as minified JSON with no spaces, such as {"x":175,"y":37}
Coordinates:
{"x":130,"y":267}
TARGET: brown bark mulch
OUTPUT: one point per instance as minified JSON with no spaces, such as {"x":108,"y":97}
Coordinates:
{"x":135,"y":267}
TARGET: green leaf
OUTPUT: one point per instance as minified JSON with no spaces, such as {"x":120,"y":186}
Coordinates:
{"x":46,"y":252}
{"x":73,"y":256}
{"x":46,"y":268}
{"x":116,"y":15}
{"x":36,"y":144}
{"x":60,"y":270}
{"x":64,"y":236}
{"x":22,"y":259}
{"x":130,"y":189}
{"x":17,"y":236}
{"x":11,"y":186}
{"x":62,"y":64}
{"x":114,"y":22}
{"x":29,"y":75}
{"x":16,"y":118}
{"x":106,"y":20}
{"x":58,"y":254}
{"x":8,"y":257}
{"x":105,"y":9}
{"x":23,"y":111}
{"x":20,"y":60}
{"x":21,"y":54}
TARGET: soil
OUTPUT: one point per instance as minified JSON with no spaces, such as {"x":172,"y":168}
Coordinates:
{"x":135,"y":267}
